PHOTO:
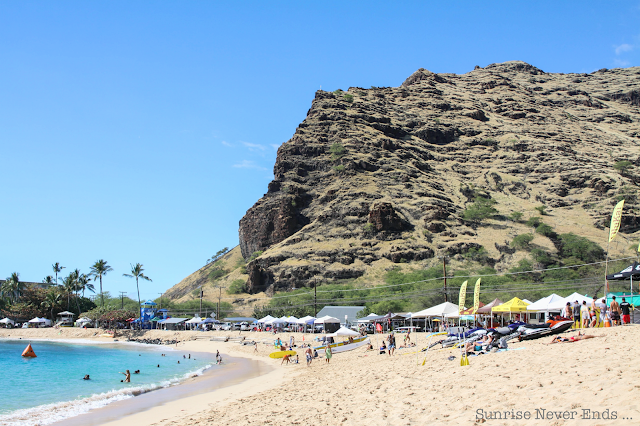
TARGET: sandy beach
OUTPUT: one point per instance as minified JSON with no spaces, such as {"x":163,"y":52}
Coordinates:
{"x":589,"y":382}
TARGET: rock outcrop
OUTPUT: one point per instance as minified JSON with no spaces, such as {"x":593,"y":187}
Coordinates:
{"x":385,"y":174}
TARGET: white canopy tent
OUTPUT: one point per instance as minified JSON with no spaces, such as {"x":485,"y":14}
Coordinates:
{"x":265,"y":319}
{"x":343,"y":331}
{"x":327,"y":320}
{"x":306,"y":320}
{"x":437,"y":311}
{"x":282,"y":320}
{"x":546,"y":304}
{"x":368,"y":318}
{"x":194,"y":320}
{"x":292,"y":320}
{"x":571,"y":298}
{"x":7,"y":321}
{"x":40,"y":321}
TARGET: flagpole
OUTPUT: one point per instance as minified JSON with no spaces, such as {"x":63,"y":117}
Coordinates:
{"x":606,"y":272}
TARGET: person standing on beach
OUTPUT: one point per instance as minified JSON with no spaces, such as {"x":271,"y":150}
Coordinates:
{"x":327,"y":353}
{"x":576,"y":312}
{"x":291,"y":342}
{"x":615,"y":311}
{"x":127,"y":376}
{"x":625,"y":308}
{"x":584,"y":312}
{"x":309,"y":355}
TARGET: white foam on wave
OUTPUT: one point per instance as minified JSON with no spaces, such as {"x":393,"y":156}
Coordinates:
{"x":50,"y":413}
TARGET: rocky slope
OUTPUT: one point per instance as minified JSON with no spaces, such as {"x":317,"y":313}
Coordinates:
{"x":379,"y":176}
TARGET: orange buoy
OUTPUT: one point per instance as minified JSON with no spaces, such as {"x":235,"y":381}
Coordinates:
{"x":28,"y":352}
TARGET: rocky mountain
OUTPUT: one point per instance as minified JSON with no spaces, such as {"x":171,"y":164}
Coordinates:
{"x":388,"y":175}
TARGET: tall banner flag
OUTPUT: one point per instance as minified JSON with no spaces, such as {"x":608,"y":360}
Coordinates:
{"x":615,"y":220}
{"x":463,"y":295}
{"x":638,"y":248}
{"x":476,"y":296}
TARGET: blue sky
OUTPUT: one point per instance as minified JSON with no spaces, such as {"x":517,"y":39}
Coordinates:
{"x":143,"y":131}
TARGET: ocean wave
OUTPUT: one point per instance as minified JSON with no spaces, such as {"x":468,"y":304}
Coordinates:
{"x":50,"y":413}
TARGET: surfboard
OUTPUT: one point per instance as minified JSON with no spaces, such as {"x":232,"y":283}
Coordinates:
{"x":281,"y":354}
{"x":28,"y":352}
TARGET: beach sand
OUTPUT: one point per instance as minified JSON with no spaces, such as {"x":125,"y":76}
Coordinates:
{"x":573,"y":381}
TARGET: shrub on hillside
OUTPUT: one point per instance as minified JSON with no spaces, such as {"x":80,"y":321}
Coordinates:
{"x":580,"y":247}
{"x":522,"y":241}
{"x":236,"y":287}
{"x":481,"y":209}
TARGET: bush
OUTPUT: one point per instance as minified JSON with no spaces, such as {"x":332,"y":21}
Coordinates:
{"x":541,"y":256}
{"x":236,"y":287}
{"x":546,"y":230}
{"x":623,"y":167}
{"x":522,"y":241}
{"x":369,"y":228}
{"x":478,"y":254}
{"x":541,"y":210}
{"x":339,"y":168}
{"x":337,"y":151}
{"x":255,"y":255}
{"x":534,"y":221}
{"x":515,"y":216}
{"x":579,"y":247}
{"x":481,"y":209}
{"x":348,"y":98}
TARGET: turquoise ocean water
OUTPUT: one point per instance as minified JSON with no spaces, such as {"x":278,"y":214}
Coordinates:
{"x":50,"y":387}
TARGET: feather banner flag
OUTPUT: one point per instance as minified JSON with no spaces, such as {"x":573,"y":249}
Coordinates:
{"x":476,"y":296}
{"x":615,"y":220}
{"x":463,"y":295}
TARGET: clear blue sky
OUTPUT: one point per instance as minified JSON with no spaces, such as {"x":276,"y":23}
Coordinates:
{"x":143,"y":131}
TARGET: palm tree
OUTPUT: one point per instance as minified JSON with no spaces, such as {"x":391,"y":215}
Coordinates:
{"x":69,"y":285}
{"x":84,"y":283}
{"x":48,"y":280}
{"x":51,"y":300}
{"x":99,"y":269}
{"x":57,"y":268}
{"x":12,"y":287}
{"x":136,"y":272}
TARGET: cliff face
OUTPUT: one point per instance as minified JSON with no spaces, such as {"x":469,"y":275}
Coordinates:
{"x":384,"y":174}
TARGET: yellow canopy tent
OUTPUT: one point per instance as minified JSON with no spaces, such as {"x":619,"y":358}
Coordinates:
{"x":514,"y":305}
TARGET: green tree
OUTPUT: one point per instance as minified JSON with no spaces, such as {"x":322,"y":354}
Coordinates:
{"x":137,"y":273}
{"x":516,"y":216}
{"x":69,"y":286}
{"x":99,"y":269}
{"x":541,"y":209}
{"x":51,"y":300}
{"x":481,"y":209}
{"x":236,"y":287}
{"x":580,"y":247}
{"x":534,"y":221}
{"x":546,"y":230}
{"x":57,"y":268}
{"x":337,"y":151}
{"x":522,"y":241}
{"x":623,"y":167}
{"x":48,"y":280}
{"x":12,"y":288}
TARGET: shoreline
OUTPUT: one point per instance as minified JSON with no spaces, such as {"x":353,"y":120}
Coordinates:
{"x":243,"y":374}
{"x":594,"y":377}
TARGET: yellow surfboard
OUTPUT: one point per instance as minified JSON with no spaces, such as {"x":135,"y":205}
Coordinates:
{"x":281,"y":354}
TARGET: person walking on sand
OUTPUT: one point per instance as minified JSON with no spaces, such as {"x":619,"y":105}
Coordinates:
{"x":292,"y":340}
{"x":255,"y":346}
{"x":309,"y":355}
{"x":327,"y":353}
{"x":127,"y":376}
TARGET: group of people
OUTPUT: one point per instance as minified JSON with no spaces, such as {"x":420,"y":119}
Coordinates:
{"x":617,"y":313}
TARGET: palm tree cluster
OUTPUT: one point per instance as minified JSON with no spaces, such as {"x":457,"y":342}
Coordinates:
{"x":71,"y":287}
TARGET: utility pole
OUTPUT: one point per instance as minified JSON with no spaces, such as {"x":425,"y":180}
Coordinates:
{"x":160,"y":299}
{"x":315,"y":298}
{"x":219,"y":297}
{"x":444,"y":270}
{"x":201,"y":294}
{"x":122,"y":293}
